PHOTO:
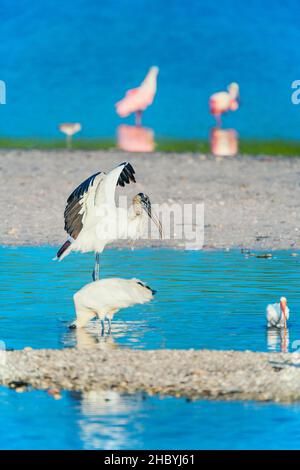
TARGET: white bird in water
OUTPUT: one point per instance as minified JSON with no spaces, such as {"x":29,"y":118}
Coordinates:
{"x":278,"y":314}
{"x":224,"y":101}
{"x":92,"y":219}
{"x":105,"y":297}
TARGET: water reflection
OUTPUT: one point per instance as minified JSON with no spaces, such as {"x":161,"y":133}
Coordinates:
{"x":91,"y":336}
{"x":224,"y":142}
{"x":278,"y":339}
{"x":135,"y":138}
{"x":101,"y":420}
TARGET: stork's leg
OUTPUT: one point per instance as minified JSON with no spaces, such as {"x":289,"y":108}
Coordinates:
{"x":102,"y":327}
{"x":109,"y":325}
{"x":96,"y":272}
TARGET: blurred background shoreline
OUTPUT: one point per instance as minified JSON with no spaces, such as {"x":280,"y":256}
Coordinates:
{"x":56,"y":69}
{"x":288,"y":148}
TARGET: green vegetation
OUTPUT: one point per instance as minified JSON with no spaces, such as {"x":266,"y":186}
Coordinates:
{"x":47,"y":144}
{"x":253,"y":147}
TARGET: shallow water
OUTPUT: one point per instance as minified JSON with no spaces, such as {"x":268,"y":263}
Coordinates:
{"x":106,"y":420}
{"x":204,"y":300}
{"x":213,"y":300}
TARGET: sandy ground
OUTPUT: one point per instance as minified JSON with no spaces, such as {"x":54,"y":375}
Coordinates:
{"x":249,"y":202}
{"x":226,"y":375}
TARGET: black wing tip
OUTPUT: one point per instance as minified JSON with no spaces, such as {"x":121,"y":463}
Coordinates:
{"x":82,"y":188}
{"x":63,"y":248}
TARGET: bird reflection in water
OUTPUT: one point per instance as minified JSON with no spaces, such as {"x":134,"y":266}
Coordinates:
{"x":105,"y":418}
{"x":278,"y":339}
{"x":123,"y":333}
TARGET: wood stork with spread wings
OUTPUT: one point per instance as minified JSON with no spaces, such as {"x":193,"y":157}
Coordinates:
{"x":92,"y":219}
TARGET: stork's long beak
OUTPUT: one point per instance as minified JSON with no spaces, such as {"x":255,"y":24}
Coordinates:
{"x":146,"y":204}
{"x":154,"y":219}
{"x":157,"y":222}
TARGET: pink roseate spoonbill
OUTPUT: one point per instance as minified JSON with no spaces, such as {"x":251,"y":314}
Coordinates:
{"x":224,"y":101}
{"x":103,"y":298}
{"x":92,"y":219}
{"x":70,"y":128}
{"x":223,"y":142}
{"x":278,"y":314}
{"x":138,"y":99}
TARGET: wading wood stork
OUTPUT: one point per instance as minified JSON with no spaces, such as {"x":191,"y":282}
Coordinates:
{"x":138,"y":99}
{"x":92,"y":219}
{"x":224,"y":101}
{"x":105,"y":297}
{"x":278,"y":314}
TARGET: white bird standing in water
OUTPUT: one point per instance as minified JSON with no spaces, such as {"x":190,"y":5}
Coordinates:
{"x":92,"y":219}
{"x":278,"y":314}
{"x":105,"y":297}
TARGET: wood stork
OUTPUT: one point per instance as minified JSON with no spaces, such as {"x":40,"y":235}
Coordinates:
{"x":105,"y":297}
{"x":224,"y":101}
{"x":278,"y":314}
{"x":92,"y":219}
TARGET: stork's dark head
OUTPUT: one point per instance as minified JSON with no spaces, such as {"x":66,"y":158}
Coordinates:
{"x":145,"y":202}
{"x":146,"y":287}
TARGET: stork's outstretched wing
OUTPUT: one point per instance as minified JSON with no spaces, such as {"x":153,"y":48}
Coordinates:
{"x":87,"y":192}
{"x":75,"y":210}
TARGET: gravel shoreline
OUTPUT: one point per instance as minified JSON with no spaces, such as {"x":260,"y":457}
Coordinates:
{"x":250,"y":202}
{"x":218,"y":375}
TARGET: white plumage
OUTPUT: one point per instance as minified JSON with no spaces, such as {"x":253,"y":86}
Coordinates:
{"x":105,"y":297}
{"x":278,"y":314}
{"x":92,"y":219}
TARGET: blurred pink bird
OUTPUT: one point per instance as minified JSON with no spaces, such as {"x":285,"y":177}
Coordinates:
{"x":138,"y":99}
{"x":224,"y":101}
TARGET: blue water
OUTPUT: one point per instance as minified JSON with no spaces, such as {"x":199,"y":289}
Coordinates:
{"x":214,"y":300}
{"x":204,"y":300}
{"x":73,"y":60}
